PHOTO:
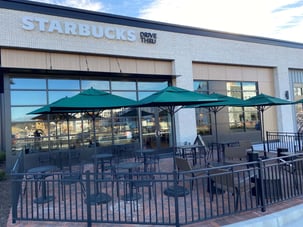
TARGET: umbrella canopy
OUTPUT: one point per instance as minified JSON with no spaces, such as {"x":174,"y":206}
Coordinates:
{"x":215,"y":107}
{"x":224,"y":100}
{"x":57,"y":116}
{"x":92,"y":100}
{"x":263,"y":102}
{"x":47,"y":108}
{"x":173,"y":97}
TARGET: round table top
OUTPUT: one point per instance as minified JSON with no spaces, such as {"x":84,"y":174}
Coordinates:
{"x":42,"y":169}
{"x":189,"y":146}
{"x":102,"y":155}
{"x":128,"y":165}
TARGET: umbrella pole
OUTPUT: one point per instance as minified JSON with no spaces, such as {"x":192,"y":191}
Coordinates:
{"x":139,"y":120}
{"x":68,"y":143}
{"x":173,"y":130}
{"x":262,"y":131}
{"x":216,"y":133}
{"x":94,"y":129}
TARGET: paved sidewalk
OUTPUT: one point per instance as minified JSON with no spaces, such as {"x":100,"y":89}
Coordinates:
{"x":291,"y":217}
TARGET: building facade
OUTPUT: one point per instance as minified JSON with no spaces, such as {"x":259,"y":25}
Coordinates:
{"x":49,"y":52}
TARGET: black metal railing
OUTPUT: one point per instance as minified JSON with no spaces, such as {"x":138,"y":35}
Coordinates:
{"x":293,"y":142}
{"x":156,"y":198}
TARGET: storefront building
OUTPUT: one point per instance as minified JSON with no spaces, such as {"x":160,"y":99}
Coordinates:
{"x":49,"y":52}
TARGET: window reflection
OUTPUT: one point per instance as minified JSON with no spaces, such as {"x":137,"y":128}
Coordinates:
{"x":18,"y":83}
{"x":152,"y":85}
{"x":57,"y":131}
{"x":298,"y":94}
{"x":239,"y":118}
{"x":28,"y":97}
{"x":143,"y":95}
{"x":96,"y":84}
{"x":20,"y":113}
{"x":203,"y":120}
{"x":56,"y":95}
{"x":125,"y":94}
{"x":63,"y":84}
{"x":123,"y":85}
{"x":242,"y":118}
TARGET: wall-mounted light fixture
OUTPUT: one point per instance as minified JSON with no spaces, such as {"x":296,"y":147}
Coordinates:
{"x":286,"y":94}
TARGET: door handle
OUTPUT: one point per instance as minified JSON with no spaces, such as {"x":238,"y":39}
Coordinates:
{"x":158,"y":133}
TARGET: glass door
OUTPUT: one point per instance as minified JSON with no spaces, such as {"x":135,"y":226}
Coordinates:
{"x":155,"y":127}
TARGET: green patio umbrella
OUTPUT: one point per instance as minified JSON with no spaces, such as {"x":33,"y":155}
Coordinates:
{"x":215,"y":107}
{"x":92,"y":102}
{"x":47,"y":108}
{"x":172,"y":99}
{"x":61,"y":114}
{"x":262,"y":102}
{"x":45,"y":111}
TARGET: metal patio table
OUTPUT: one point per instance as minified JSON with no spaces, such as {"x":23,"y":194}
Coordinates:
{"x":39,"y":173}
{"x":131,"y":196}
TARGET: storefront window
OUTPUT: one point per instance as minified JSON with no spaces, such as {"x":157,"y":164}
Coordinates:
{"x":97,"y":84}
{"x":203,"y":119}
{"x":155,"y":86}
{"x":60,"y":84}
{"x":237,"y":118}
{"x":298,"y":94}
{"x":62,"y":131}
{"x":18,"y":83}
{"x":124,"y":85}
{"x":56,"y":95}
{"x":28,"y":97}
{"x":242,"y":118}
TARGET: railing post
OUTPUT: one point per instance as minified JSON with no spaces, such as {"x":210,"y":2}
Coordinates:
{"x":175,"y":175}
{"x":14,"y":197}
{"x":260,"y":193}
{"x":267,"y":139}
{"x":299,"y":141}
{"x":88,"y":196}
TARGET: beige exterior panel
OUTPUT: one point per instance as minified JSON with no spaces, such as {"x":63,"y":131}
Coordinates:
{"x":14,"y":58}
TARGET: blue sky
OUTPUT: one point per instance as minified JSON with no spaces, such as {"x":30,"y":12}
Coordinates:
{"x":279,"y":19}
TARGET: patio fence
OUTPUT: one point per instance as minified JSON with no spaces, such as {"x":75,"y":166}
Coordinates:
{"x":162,"y":198}
{"x":286,"y":140}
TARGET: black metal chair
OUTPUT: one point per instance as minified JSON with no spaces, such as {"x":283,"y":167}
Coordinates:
{"x":72,"y":176}
{"x":192,"y":172}
{"x":223,"y":180}
{"x":143,"y":180}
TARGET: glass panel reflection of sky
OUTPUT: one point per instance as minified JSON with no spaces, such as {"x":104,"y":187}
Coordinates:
{"x":156,"y":86}
{"x":123,"y":85}
{"x":126,"y":94}
{"x":143,"y":95}
{"x":21,"y":113}
{"x":32,"y":94}
{"x":96,"y":84}
{"x":64,"y":84}
{"x":18,"y":83}
{"x":56,"y":95}
{"x":28,"y":97}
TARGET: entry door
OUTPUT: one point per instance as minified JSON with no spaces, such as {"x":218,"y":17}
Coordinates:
{"x":155,"y":128}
